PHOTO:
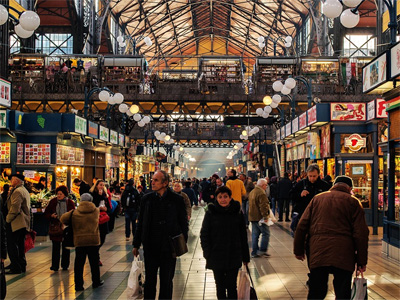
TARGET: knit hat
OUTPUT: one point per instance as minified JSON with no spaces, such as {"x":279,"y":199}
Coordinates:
{"x":86,"y":197}
{"x":344,"y":179}
{"x":19,"y":176}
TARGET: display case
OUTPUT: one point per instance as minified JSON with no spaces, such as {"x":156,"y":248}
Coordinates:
{"x":26,"y":66}
{"x":179,"y":75}
{"x":360,"y":172}
{"x":222,"y":69}
{"x":321,"y":70}
{"x":269,"y":69}
{"x":118,"y":69}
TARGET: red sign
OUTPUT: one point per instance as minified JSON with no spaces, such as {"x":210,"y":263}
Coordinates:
{"x":355,"y":142}
{"x":326,"y":141}
{"x":348,"y":112}
{"x":312,"y":115}
{"x":381,"y":108}
{"x":303,"y":120}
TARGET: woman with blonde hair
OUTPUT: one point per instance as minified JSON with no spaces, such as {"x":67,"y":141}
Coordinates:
{"x":100,"y":200}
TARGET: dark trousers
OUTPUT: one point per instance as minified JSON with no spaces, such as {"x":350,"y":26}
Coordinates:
{"x":245,"y":210}
{"x":225,"y":281}
{"x":166,"y":263}
{"x":3,"y":284}
{"x":283,"y":203}
{"x":16,"y":248}
{"x":55,"y":256}
{"x":130,"y":219}
{"x":92,"y":252}
{"x":319,"y":283}
{"x":111,"y":223}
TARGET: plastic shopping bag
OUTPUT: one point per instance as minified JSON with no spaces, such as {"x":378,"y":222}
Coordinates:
{"x":243,"y":286}
{"x":136,"y":278}
{"x":359,"y":289}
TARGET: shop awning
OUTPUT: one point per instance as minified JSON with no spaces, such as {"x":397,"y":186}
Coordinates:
{"x":17,"y":6}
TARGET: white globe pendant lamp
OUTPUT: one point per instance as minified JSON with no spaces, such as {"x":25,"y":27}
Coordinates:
{"x":349,"y":19}
{"x":104,"y":96}
{"x":290,"y":83}
{"x":29,"y":20}
{"x":21,"y":32}
{"x":3,"y":15}
{"x":277,"y":86}
{"x":123,"y":108}
{"x":134,"y":109}
{"x":274,"y":105}
{"x":137,"y":117}
{"x":267,"y":109}
{"x":259,"y":111}
{"x":120,"y":39}
{"x":332,"y":8}
{"x":261,"y":39}
{"x":276,"y":98}
{"x":285,"y":90}
{"x":351,"y":3}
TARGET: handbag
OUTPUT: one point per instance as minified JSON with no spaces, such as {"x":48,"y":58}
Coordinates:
{"x":56,"y":228}
{"x":359,"y":289}
{"x":30,"y":238}
{"x":243,"y":285}
{"x":253,"y":294}
{"x":179,"y":246}
{"x":136,"y":278}
{"x":103,"y":217}
{"x":69,"y":234}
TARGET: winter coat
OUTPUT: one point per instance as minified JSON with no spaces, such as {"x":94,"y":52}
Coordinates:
{"x":83,"y":188}
{"x":190,"y":193}
{"x":19,"y":208}
{"x":96,"y":201}
{"x":134,"y":198}
{"x":3,"y":239}
{"x":187,"y":204}
{"x":273,"y":188}
{"x":283,"y":188}
{"x":223,"y":237}
{"x":300,"y":203}
{"x":51,"y":209}
{"x":237,"y":188}
{"x":258,"y":205}
{"x":248,"y":186}
{"x":335,"y":224}
{"x":176,"y":221}
{"x":85,"y":224}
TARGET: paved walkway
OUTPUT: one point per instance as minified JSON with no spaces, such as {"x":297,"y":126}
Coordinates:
{"x":279,"y":277}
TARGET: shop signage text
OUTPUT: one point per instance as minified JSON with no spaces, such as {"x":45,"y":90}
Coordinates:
{"x":80,"y":125}
{"x":374,"y":73}
{"x":381,"y":108}
{"x":312,"y":115}
{"x":371,"y":110}
{"x":3,"y":118}
{"x":288,"y":129}
{"x":355,"y":142}
{"x":121,"y":139}
{"x":113,"y":137}
{"x":348,"y":112}
{"x":395,"y":58}
{"x":93,"y":130}
{"x":5,"y":93}
{"x":303,"y":120}
{"x":104,"y":133}
{"x":5,"y":153}
{"x":295,"y":125}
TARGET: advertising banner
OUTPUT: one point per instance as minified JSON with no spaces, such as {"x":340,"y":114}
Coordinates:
{"x":312,"y":115}
{"x":374,"y":73}
{"x":70,"y":156}
{"x":80,"y":125}
{"x":5,"y":93}
{"x":104,"y":134}
{"x":93,"y":130}
{"x":395,"y":60}
{"x":121,"y":140}
{"x":326,"y":141}
{"x":37,"y":154}
{"x":3,"y":119}
{"x":303,"y":120}
{"x":295,"y":125}
{"x":113,"y":137}
{"x":348,"y":111}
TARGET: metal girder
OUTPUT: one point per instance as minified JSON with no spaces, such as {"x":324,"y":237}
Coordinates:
{"x":99,"y":24}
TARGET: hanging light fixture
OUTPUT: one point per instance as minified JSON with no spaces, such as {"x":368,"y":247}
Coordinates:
{"x":267,"y":100}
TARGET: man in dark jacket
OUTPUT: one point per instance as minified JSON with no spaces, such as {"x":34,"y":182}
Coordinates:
{"x":307,"y":188}
{"x":191,"y":194}
{"x":130,"y":201}
{"x":3,"y":254}
{"x":162,"y":215}
{"x":83,"y":186}
{"x":283,"y":194}
{"x":334,"y":225}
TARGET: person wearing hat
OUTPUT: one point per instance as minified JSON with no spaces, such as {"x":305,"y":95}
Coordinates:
{"x":336,"y":232}
{"x":17,"y":223}
{"x":85,"y":223}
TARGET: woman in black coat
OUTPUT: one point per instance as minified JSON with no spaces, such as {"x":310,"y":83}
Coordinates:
{"x":100,"y":199}
{"x":223,"y":238}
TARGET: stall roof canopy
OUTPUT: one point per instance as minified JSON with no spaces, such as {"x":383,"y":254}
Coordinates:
{"x":209,"y":27}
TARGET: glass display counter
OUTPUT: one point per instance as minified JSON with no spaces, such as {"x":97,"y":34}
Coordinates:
{"x":361,"y":174}
{"x":320,"y":70}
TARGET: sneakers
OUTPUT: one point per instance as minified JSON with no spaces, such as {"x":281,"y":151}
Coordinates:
{"x":265,"y":254}
{"x":255,"y":255}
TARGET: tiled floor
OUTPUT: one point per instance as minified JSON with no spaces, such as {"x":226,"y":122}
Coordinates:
{"x":279,"y":277}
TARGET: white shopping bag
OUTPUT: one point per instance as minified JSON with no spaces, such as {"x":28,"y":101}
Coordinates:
{"x":359,"y":289}
{"x":243,"y":285}
{"x":136,"y":278}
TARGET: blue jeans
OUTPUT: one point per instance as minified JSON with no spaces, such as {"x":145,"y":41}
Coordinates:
{"x":256,"y":230}
{"x":130,"y":218}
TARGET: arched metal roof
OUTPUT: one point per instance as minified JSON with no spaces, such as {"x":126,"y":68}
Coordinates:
{"x":204,"y":27}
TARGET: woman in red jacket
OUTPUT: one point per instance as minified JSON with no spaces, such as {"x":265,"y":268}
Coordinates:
{"x":55,"y":209}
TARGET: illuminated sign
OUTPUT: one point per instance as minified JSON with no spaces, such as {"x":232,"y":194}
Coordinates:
{"x":312,"y":115}
{"x":355,"y":142}
{"x":5,"y":93}
{"x":80,"y":125}
{"x":104,"y":133}
{"x":303,"y":120}
{"x":93,"y":130}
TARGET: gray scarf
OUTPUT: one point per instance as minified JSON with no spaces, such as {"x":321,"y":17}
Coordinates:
{"x":61,"y":207}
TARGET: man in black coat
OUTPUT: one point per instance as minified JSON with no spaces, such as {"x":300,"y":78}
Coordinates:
{"x":130,"y":201}
{"x":162,"y":216}
{"x":306,"y":189}
{"x":83,"y":186}
{"x":3,"y":254}
{"x":283,"y":194}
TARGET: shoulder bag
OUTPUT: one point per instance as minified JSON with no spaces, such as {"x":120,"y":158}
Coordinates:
{"x":179,"y":246}
{"x":69,"y":234}
{"x":55,"y":228}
